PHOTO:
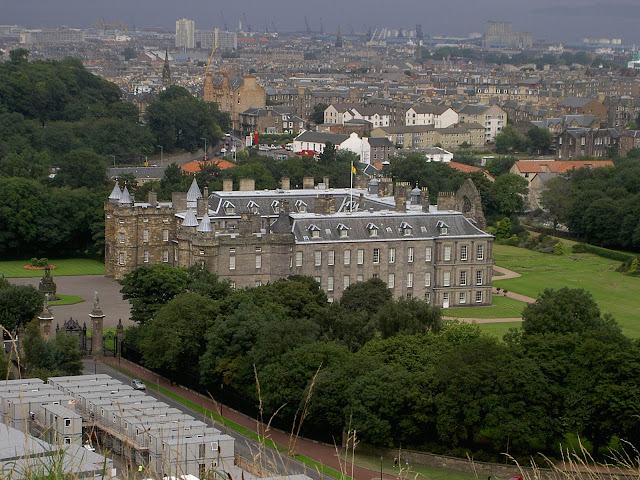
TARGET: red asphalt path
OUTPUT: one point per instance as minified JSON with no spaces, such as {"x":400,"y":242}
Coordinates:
{"x":320,"y":452}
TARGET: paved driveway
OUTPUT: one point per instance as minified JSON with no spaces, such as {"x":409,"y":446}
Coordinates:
{"x":111,"y":302}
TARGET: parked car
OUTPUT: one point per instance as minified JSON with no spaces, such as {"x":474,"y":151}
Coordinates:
{"x":137,"y":384}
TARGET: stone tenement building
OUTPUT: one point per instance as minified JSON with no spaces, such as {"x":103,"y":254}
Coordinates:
{"x":337,"y":236}
{"x":234,"y":95}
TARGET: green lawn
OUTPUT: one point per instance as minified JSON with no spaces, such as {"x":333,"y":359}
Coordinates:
{"x":498,"y":329}
{"x":615,"y":293}
{"x":502,"y":307}
{"x":71,"y":266}
{"x":67,"y":300}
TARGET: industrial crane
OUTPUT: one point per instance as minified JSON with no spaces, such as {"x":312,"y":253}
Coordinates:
{"x":306,"y":23}
{"x":213,"y":51}
{"x":224,"y":22}
{"x":246,"y":22}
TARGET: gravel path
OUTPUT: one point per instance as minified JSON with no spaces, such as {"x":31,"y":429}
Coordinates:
{"x":111,"y":302}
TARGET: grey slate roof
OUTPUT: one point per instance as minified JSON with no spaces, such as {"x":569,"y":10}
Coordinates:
{"x":125,"y":199}
{"x":138,"y":172}
{"x":190,"y":219}
{"x":205,"y":224}
{"x":389,"y":226}
{"x":321,"y":137}
{"x":380,"y":142}
{"x":574,"y":102}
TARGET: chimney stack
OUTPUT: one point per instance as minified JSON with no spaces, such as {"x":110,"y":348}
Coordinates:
{"x":227,"y":185}
{"x":247,"y":184}
{"x":307,"y":183}
{"x":153,"y":199}
{"x":285,"y":183}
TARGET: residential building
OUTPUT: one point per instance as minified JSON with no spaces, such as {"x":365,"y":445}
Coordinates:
{"x":440,"y":116}
{"x":539,"y":172}
{"x":275,"y":119}
{"x":234,"y":95}
{"x":491,"y":117}
{"x":185,"y":33}
{"x":591,"y":142}
{"x":584,"y":106}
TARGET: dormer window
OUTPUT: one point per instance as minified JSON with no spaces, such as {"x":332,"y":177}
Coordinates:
{"x":315,"y":231}
{"x":275,"y":205}
{"x":406,"y":228}
{"x":443,"y":228}
{"x":253,"y":207}
{"x":373,"y":230}
{"x":343,"y":230}
{"x":301,"y":206}
{"x":229,"y":208}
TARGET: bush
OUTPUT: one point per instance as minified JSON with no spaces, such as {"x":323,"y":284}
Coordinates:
{"x":578,"y":248}
{"x":606,"y":253}
{"x":39,"y":262}
{"x":558,"y":249}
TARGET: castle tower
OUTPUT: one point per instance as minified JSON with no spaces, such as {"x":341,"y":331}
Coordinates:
{"x":97,"y":324}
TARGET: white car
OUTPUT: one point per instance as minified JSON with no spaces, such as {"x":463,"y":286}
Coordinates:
{"x":137,"y":384}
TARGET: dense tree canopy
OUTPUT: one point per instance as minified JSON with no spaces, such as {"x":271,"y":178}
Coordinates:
{"x":394,"y":372}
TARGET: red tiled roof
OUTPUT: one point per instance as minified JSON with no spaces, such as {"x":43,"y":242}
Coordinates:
{"x":463,"y":167}
{"x":558,"y":166}
{"x":194,"y":167}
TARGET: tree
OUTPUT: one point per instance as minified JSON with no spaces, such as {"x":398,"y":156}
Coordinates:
{"x":540,"y":139}
{"x":174,"y":339}
{"x":19,"y":55}
{"x":19,"y":304}
{"x":500,"y":165}
{"x":508,"y":190}
{"x":329,"y":155}
{"x":556,"y":199}
{"x":317,"y":115}
{"x":82,"y":168}
{"x":369,"y":296}
{"x":149,"y":287}
{"x":509,"y":140}
{"x":408,"y":316}
{"x":350,"y":328}
{"x":179,"y":120}
{"x":568,"y":311}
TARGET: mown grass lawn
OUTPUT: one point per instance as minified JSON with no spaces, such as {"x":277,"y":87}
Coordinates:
{"x":502,"y":307}
{"x":615,"y":293}
{"x":414,"y":472}
{"x":64,"y":267}
{"x":67,"y":300}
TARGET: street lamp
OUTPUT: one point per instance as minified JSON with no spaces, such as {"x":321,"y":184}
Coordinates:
{"x":114,"y":159}
{"x":161,"y":152}
{"x":205,"y":146}
{"x":381,"y":467}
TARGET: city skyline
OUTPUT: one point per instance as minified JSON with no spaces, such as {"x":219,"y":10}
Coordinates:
{"x":569,"y":22}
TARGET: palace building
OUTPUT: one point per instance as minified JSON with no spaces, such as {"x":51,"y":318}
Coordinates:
{"x":337,"y":236}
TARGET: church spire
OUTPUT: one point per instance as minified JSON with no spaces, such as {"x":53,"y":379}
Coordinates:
{"x":166,"y":71}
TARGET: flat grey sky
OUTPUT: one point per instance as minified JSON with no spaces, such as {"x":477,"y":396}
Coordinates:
{"x":557,"y":20}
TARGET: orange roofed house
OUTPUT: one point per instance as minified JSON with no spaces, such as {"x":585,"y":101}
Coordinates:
{"x":539,"y":172}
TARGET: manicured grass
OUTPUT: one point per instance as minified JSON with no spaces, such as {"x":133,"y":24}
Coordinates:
{"x":615,"y":293}
{"x":499,"y":329}
{"x":64,"y":267}
{"x":502,"y":307}
{"x":67,"y":300}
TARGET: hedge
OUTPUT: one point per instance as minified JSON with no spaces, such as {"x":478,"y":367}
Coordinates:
{"x":606,"y":253}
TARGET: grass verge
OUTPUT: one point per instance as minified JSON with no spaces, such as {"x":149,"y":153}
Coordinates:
{"x":414,"y":472}
{"x":500,"y":328}
{"x":64,"y":267}
{"x":67,"y":300}
{"x":238,"y":428}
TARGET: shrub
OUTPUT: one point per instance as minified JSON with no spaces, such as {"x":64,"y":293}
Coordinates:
{"x":558,"y":249}
{"x":39,"y":262}
{"x":578,"y":248}
{"x":606,"y":253}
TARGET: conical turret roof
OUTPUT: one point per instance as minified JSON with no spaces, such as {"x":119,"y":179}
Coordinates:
{"x":116,"y":193}
{"x":194,"y":192}
{"x":125,"y":199}
{"x":205,"y":224}
{"x":190,"y":219}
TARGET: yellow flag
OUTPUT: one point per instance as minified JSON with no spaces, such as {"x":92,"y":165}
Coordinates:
{"x":353,"y":169}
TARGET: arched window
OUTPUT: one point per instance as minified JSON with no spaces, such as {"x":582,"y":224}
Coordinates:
{"x":466,"y":204}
